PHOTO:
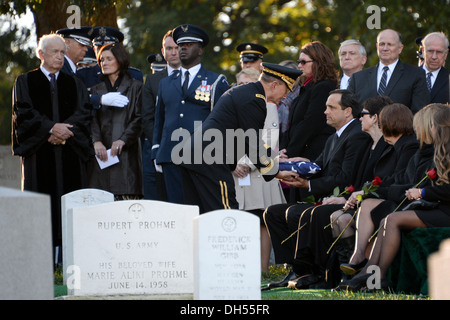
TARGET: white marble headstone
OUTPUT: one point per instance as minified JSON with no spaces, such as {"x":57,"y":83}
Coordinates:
{"x":227,"y":258}
{"x":131,"y":247}
{"x":26,"y":267}
{"x":78,"y":198}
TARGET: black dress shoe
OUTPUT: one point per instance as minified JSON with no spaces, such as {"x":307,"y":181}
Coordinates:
{"x":304,"y":282}
{"x":351,"y":269}
{"x":355,"y":283}
{"x":283,"y":283}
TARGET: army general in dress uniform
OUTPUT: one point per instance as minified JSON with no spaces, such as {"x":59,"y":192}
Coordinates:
{"x":184,"y":97}
{"x":209,"y":184}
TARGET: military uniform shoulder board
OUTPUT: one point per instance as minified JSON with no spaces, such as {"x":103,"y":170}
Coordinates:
{"x":258,"y":95}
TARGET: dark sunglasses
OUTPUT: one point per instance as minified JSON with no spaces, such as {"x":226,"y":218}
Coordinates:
{"x":363,"y":113}
{"x":303,"y":62}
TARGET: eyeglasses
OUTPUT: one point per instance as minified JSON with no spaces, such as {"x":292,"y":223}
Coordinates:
{"x":363,"y":113}
{"x":303,"y":62}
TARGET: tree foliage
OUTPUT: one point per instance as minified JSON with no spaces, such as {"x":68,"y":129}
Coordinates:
{"x":282,"y":26}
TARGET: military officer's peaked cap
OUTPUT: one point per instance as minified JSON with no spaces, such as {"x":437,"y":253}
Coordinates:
{"x":190,"y":33}
{"x":285,"y":74}
{"x":106,"y":35}
{"x":157,"y":61}
{"x":82,"y":35}
{"x":251,"y":51}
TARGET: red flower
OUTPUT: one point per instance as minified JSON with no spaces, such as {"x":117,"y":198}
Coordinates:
{"x":432,"y":174}
{"x":376,"y":181}
{"x":350,"y":189}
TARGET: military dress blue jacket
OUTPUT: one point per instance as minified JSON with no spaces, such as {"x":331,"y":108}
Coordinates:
{"x":175,"y":110}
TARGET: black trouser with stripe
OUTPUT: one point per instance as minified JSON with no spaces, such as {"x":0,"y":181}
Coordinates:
{"x":211,"y":187}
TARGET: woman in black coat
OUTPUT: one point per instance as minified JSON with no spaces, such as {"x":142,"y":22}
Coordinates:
{"x":308,"y":130}
{"x":389,"y":236}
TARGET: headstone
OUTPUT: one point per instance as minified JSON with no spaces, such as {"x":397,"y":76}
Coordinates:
{"x":227,"y":256}
{"x":438,"y":272}
{"x":78,"y":198}
{"x":10,"y":169}
{"x":131,"y":248}
{"x":26,"y":267}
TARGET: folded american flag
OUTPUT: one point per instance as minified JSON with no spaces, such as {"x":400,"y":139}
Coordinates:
{"x":305,"y":169}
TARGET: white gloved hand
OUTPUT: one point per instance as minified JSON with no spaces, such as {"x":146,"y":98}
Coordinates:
{"x":158,"y":167}
{"x":114,"y":99}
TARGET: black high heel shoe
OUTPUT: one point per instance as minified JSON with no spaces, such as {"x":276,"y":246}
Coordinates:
{"x":351,"y":269}
{"x":354,"y":284}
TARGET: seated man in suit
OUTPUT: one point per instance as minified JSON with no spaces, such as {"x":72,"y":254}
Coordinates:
{"x":342,"y":154}
{"x":435,"y":50}
{"x":401,"y":82}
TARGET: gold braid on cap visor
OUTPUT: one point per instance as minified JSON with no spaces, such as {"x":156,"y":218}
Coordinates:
{"x":251,"y":51}
{"x":289,"y":81}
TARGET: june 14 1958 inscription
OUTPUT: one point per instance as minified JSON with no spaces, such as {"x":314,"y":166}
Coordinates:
{"x":131,"y":247}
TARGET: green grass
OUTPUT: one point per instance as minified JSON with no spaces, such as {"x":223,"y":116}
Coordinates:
{"x":277,"y":273}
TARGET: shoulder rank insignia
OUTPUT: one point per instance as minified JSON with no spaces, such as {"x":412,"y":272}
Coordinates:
{"x":258,"y":95}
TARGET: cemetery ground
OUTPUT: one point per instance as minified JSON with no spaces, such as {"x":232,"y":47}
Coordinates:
{"x":277,"y":272}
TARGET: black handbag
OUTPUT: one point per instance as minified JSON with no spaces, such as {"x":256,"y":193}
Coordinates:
{"x":421,"y":204}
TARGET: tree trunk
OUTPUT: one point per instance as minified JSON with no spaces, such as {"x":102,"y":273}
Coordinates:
{"x":52,"y":15}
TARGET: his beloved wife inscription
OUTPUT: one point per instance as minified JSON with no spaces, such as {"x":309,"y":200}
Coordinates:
{"x":131,"y":247}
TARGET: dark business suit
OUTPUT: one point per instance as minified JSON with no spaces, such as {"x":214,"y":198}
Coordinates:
{"x":407,"y":85}
{"x":440,"y":89}
{"x":338,"y":165}
{"x":154,"y":187}
{"x":176,"y":110}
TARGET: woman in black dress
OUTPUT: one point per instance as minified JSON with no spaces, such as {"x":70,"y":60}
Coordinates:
{"x":388,"y":238}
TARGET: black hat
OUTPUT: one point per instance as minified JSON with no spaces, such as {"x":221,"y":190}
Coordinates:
{"x":82,"y":35}
{"x":105,"y":35}
{"x":251,"y":51}
{"x":190,"y":33}
{"x":285,"y":74}
{"x":157,"y":61}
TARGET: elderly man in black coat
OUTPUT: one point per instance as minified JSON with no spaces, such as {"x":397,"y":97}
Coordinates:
{"x":50,"y":128}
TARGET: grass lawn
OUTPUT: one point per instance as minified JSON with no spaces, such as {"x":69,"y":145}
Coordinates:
{"x":278,"y":272}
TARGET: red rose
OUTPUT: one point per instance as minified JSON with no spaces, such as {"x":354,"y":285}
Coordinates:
{"x":432,"y":174}
{"x":376,"y":181}
{"x":350,"y":189}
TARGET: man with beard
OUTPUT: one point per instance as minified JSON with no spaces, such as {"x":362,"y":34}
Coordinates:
{"x":183,"y":98}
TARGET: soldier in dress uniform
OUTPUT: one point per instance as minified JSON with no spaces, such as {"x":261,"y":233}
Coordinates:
{"x":251,"y":55}
{"x":157,"y":62}
{"x":78,"y":40}
{"x":93,"y":75}
{"x":207,"y":177}
{"x":184,"y":97}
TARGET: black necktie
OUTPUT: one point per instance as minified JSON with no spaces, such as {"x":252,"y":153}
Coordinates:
{"x":186,"y":81}
{"x":382,"y":86}
{"x":54,"y":92}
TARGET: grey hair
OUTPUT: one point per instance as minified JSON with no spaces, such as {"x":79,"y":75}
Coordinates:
{"x":46,"y":39}
{"x":436,"y":34}
{"x":361,"y":48}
